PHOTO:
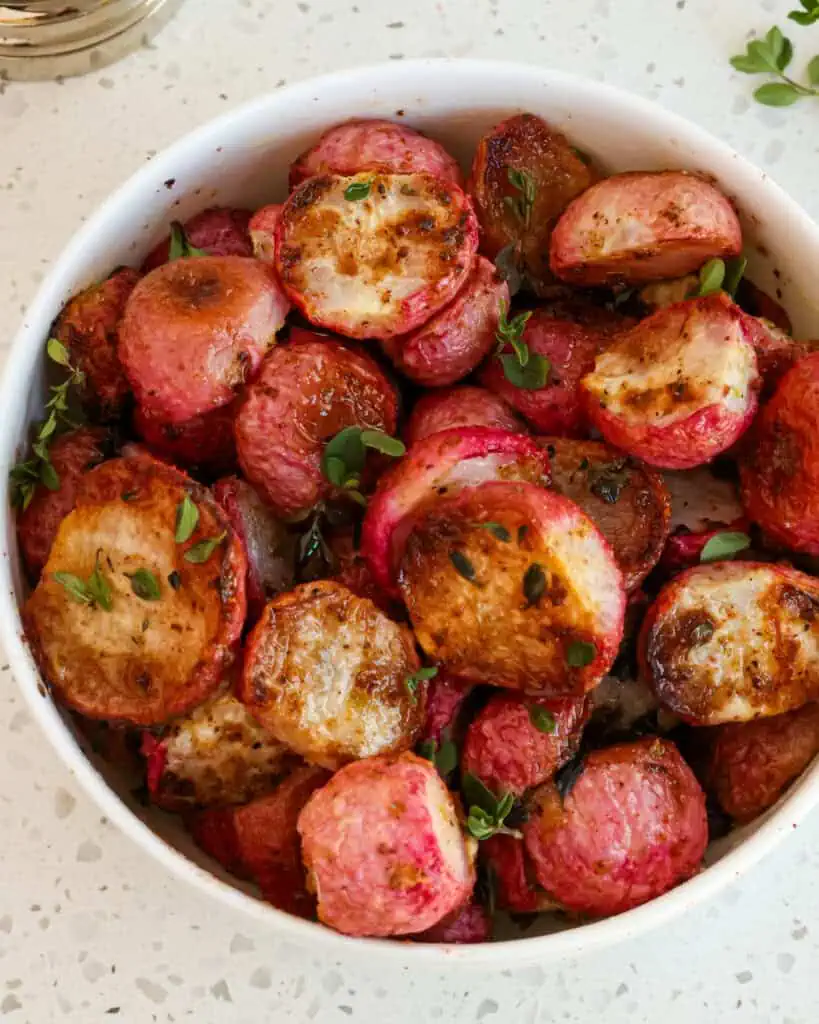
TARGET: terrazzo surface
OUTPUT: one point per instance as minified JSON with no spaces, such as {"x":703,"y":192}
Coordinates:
{"x":90,"y":928}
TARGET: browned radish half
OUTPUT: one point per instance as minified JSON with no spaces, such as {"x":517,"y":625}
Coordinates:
{"x":384,"y":848}
{"x":779,"y":470}
{"x":308,"y":391}
{"x":513,"y":585}
{"x":626,"y":500}
{"x":375,"y":255}
{"x":643,"y":226}
{"x":326,"y":672}
{"x":732,"y":641}
{"x":678,"y":388}
{"x":459,"y":407}
{"x":454,"y":341}
{"x":366,"y":144}
{"x":524,"y":174}
{"x":441,"y":464}
{"x":632,"y":827}
{"x":142,"y":599}
{"x":216,"y":755}
{"x":750,"y":764}
{"x":88,"y":326}
{"x":196,"y":330}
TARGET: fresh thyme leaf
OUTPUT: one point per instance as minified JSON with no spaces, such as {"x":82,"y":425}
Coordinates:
{"x":531,"y":377}
{"x":508,"y":265}
{"x":462,"y":565}
{"x":712,"y":274}
{"x":413,"y":681}
{"x":580,"y":654}
{"x":180,"y":247}
{"x":541,"y":718}
{"x":487,"y":813}
{"x":498,"y":531}
{"x":381,"y":442}
{"x":49,"y":476}
{"x":427,"y":749}
{"x":446,"y":759}
{"x":534,"y":583}
{"x":357,"y":190}
{"x":734,"y":271}
{"x":508,"y":331}
{"x":201,"y":552}
{"x":813,"y":66}
{"x":772,"y":55}
{"x":724,"y":545}
{"x":99,"y":587}
{"x":809,"y":15}
{"x":145,"y":585}
{"x":76,"y":588}
{"x":187,"y":519}
{"x":522,"y":204}
{"x":57,"y":352}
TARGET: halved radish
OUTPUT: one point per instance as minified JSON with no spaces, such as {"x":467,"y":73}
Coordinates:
{"x":678,"y":388}
{"x":142,"y":599}
{"x":459,"y":407}
{"x":643,"y":226}
{"x":511,"y":584}
{"x":732,"y":641}
{"x":440,"y":464}
{"x":375,"y":255}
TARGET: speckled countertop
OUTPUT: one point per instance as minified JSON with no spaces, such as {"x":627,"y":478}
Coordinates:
{"x":91,"y":929}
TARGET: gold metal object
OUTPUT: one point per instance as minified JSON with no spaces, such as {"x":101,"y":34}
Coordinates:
{"x":42,"y":39}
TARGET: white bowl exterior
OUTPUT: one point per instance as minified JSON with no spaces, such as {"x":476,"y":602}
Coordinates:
{"x":242,"y":159}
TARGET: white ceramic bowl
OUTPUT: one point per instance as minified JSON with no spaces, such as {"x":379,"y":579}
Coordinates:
{"x":242,"y":159}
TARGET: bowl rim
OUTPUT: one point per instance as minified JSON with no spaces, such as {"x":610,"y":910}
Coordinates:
{"x":18,"y":366}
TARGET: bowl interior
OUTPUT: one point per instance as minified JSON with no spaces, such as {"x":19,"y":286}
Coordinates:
{"x":242,"y":159}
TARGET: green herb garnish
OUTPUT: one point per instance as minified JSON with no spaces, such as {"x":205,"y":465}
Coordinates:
{"x":541,"y":719}
{"x":521,"y":205}
{"x":25,"y":475}
{"x":187,"y":519}
{"x":607,"y":482}
{"x":345,"y":455}
{"x":524,"y":369}
{"x":462,"y":565}
{"x":357,"y":190}
{"x":534,"y":583}
{"x":95,"y":590}
{"x":201,"y":552}
{"x":580,"y":654}
{"x":772,"y":55}
{"x":724,"y":545}
{"x":413,"y":681}
{"x":179,"y":246}
{"x":144,"y":584}
{"x":498,"y":531}
{"x":487,"y":812}
{"x":444,"y":757}
{"x":711,"y":276}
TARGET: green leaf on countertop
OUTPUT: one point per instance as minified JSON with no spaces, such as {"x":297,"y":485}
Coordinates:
{"x":777,"y":94}
{"x":813,"y":70}
{"x":809,"y":14}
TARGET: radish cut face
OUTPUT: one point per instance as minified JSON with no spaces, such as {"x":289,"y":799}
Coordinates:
{"x":375,"y":255}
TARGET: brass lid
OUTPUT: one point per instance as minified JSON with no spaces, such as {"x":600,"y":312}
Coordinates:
{"x":42,"y":39}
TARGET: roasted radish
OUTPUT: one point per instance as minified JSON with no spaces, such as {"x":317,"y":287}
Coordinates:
{"x":459,"y":407}
{"x":375,"y":255}
{"x":142,"y":599}
{"x":626,"y":500}
{"x":643,"y":226}
{"x":679,"y":388}
{"x":196,"y":330}
{"x":732,"y":641}
{"x":331,"y":676}
{"x":513,"y":585}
